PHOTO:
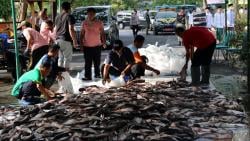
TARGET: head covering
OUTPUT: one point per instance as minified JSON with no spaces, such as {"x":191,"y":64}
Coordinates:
{"x":23,"y":23}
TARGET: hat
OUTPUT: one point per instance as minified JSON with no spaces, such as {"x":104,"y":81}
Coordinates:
{"x":23,"y":23}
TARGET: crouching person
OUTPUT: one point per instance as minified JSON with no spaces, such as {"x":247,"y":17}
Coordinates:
{"x":29,"y":88}
{"x":56,"y":71}
{"x":118,"y":62}
{"x":141,"y":65}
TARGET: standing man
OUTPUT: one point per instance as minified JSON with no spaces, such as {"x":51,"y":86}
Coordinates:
{"x":181,"y":17}
{"x":92,"y":40}
{"x":147,"y":17}
{"x":219,"y":23}
{"x":134,"y":22}
{"x":205,"y":42}
{"x":230,"y":17}
{"x":65,"y":35}
{"x":37,"y":46}
{"x":191,"y":18}
{"x":209,"y":18}
{"x":141,"y":65}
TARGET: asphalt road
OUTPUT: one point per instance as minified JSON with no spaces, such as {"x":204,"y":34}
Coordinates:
{"x":126,"y":36}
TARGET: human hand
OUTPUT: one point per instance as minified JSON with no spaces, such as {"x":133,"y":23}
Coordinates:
{"x":105,"y":80}
{"x":123,"y":73}
{"x":75,"y":44}
{"x":157,"y":72}
{"x":60,"y":77}
{"x":104,"y":46}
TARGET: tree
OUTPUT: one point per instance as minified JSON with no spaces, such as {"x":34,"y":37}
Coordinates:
{"x":5,"y":7}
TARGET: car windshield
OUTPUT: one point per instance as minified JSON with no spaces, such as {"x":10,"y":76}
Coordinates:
{"x":162,"y":15}
{"x":152,"y":14}
{"x":101,"y":14}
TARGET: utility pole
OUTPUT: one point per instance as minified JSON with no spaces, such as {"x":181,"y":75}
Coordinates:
{"x":13,"y":11}
{"x":248,"y":44}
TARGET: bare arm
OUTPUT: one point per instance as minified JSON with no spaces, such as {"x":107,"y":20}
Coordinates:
{"x":126,"y":69}
{"x":73,"y":35}
{"x":29,"y":39}
{"x":103,"y":37}
{"x":44,"y":91}
{"x":82,"y":36}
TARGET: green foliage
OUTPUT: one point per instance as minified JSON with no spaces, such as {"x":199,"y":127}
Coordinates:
{"x":5,"y":7}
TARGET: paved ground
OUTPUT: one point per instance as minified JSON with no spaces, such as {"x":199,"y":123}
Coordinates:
{"x":218,"y":71}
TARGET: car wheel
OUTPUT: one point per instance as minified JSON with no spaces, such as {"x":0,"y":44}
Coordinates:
{"x":155,"y":32}
{"x":121,"y":26}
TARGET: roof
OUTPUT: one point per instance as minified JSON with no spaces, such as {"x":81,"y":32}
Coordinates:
{"x":84,"y":7}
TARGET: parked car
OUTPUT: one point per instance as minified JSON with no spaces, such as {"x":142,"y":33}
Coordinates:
{"x":104,"y":14}
{"x":123,"y":19}
{"x":164,"y":22}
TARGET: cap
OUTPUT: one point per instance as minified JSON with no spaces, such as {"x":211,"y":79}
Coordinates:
{"x":23,"y":23}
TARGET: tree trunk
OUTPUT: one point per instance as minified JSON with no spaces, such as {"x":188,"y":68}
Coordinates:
{"x":204,"y":3}
{"x":236,"y":8}
{"x":23,"y":11}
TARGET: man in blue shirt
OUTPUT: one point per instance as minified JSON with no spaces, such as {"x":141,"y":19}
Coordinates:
{"x":55,"y":72}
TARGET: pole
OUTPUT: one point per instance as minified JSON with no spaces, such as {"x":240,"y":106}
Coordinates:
{"x":226,"y":1}
{"x":15,"y":37}
{"x":248,"y":44}
{"x":59,"y":3}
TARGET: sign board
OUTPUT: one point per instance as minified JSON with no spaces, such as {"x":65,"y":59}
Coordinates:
{"x":215,"y":1}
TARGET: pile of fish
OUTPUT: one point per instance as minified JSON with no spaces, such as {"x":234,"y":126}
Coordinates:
{"x":168,"y":111}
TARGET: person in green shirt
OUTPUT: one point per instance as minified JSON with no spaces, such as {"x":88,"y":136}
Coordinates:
{"x":29,"y":88}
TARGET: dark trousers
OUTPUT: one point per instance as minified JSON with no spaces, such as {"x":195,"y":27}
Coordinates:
{"x":29,"y":94}
{"x":36,"y":55}
{"x":203,"y":57}
{"x":92,"y":54}
{"x":135,"y":29}
{"x":112,"y":71}
{"x":137,"y":71}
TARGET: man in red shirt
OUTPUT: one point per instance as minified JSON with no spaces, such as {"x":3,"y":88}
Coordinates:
{"x":204,"y":42}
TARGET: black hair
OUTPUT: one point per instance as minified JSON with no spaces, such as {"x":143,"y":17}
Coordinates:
{"x":54,"y":48}
{"x":179,"y":29}
{"x":139,"y":38}
{"x":49,"y":22}
{"x":219,"y":6}
{"x":117,"y":45}
{"x":45,"y":64}
{"x":230,"y":4}
{"x":66,"y":6}
{"x":91,"y":9}
{"x":207,"y":8}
